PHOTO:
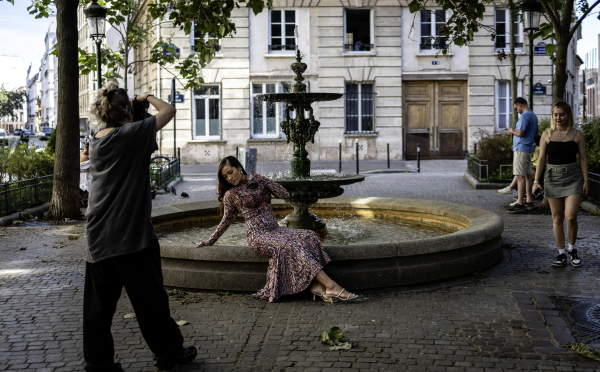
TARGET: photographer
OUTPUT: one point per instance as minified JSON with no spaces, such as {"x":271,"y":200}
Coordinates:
{"x":122,"y":246}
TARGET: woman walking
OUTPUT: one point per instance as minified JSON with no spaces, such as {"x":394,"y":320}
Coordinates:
{"x":122,"y":246}
{"x":565,"y":180}
{"x":296,"y":257}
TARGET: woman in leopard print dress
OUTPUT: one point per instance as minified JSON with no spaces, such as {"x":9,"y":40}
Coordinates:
{"x":296,"y":257}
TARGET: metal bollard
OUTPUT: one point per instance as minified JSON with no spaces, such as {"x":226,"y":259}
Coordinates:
{"x":237,"y":152}
{"x":340,"y":161}
{"x":357,"y":157}
{"x":418,"y":158}
{"x":388,"y":154}
{"x":179,"y":153}
{"x":475,"y":150}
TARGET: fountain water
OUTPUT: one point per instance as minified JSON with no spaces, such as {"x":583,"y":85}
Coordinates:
{"x":305,"y":189}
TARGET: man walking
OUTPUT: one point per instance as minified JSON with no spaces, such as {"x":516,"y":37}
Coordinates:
{"x":523,"y":148}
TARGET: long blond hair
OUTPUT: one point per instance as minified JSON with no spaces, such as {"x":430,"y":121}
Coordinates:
{"x":560,"y":104}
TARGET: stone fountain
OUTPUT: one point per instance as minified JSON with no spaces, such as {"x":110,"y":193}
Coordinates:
{"x":305,"y":189}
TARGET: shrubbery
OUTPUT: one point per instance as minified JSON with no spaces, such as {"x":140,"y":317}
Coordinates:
{"x":496,"y":148}
{"x":591,"y":133}
{"x":21,"y":162}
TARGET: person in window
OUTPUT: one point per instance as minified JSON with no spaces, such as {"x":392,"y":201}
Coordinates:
{"x":122,"y":246}
{"x":565,"y":179}
{"x":296,"y":257}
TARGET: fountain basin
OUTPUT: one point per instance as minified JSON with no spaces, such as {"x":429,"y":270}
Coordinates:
{"x":477,"y":245}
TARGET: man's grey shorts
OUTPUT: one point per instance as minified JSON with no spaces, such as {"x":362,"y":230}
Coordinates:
{"x":522,"y":165}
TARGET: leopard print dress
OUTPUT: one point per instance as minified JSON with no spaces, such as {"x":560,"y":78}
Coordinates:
{"x":295,"y":256}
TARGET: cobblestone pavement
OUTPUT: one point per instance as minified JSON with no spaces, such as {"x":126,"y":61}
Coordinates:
{"x":500,"y":319}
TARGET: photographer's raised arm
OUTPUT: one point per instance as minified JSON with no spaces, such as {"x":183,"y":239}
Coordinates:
{"x":166,"y":112}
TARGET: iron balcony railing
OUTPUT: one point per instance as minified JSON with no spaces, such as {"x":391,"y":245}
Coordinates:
{"x":434,"y":46}
{"x":504,"y":45}
{"x":357,"y":47}
{"x":16,"y":196}
{"x":282,"y":47}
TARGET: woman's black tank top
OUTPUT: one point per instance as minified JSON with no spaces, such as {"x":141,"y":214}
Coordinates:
{"x":561,"y":153}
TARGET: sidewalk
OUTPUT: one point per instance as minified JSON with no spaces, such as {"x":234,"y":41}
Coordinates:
{"x":348,"y":166}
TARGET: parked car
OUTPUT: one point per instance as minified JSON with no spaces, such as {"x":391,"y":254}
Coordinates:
{"x":3,"y":138}
{"x":45,"y":133}
{"x":18,"y":131}
{"x":24,"y":136}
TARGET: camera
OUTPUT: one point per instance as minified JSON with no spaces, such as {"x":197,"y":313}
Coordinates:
{"x":140,"y":110}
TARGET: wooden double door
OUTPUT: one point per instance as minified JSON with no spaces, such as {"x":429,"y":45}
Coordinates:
{"x":435,"y":116}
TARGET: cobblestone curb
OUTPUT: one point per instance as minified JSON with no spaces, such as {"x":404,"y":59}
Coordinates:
{"x":482,"y":185}
{"x":8,"y":220}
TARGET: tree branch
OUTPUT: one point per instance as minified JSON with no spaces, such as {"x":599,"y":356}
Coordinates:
{"x":550,"y":15}
{"x":578,"y":23}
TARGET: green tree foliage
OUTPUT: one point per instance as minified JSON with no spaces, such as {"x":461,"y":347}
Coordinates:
{"x":560,"y":20}
{"x":51,"y":145}
{"x":126,"y":16}
{"x":496,"y":148}
{"x":10,"y":102}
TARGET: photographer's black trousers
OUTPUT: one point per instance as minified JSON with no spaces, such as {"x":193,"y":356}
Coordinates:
{"x":140,"y":273}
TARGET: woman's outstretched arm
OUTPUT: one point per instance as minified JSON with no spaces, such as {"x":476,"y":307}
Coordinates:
{"x":228,"y":213}
{"x":276,"y":189}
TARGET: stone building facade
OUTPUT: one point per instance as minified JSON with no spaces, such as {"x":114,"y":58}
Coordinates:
{"x":398,"y":89}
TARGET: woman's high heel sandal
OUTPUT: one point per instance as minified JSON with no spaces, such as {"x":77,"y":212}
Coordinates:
{"x":322,"y":295}
{"x":339,"y":296}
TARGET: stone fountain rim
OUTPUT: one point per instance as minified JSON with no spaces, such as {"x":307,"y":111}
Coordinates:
{"x":330,"y":182}
{"x":480,"y":226}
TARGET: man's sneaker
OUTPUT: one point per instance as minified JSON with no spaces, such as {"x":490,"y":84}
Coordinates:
{"x":560,"y":260}
{"x":517,"y":208}
{"x":575,"y":260}
{"x":513,"y":203}
{"x":530,"y":206}
{"x":506,"y":190}
{"x":188,"y":354}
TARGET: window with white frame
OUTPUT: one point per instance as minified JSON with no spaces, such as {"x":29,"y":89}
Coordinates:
{"x":264,"y":114}
{"x":207,"y":112}
{"x":358,"y":35}
{"x":208,"y":39}
{"x":281,"y":31}
{"x":431,"y":23}
{"x":504,"y":106}
{"x":360,"y":116}
{"x":503,"y":30}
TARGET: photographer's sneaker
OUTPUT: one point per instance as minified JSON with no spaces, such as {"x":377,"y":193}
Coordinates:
{"x":575,"y":260}
{"x":506,"y":190}
{"x":188,"y":354}
{"x":560,"y":260}
{"x":530,"y":206}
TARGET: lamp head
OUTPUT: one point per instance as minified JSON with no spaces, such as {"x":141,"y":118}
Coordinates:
{"x":96,"y":18}
{"x":531,"y":15}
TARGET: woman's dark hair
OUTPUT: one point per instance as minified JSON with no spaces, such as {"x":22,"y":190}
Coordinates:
{"x":223,"y":185}
{"x":112,"y":104}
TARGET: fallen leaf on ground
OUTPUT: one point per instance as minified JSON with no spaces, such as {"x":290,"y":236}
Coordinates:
{"x":181,"y":323}
{"x":183,"y":297}
{"x":129,"y":316}
{"x":72,"y":237}
{"x":1,"y":234}
{"x":17,"y":222}
{"x":223,"y":293}
{"x":583,"y":349}
{"x":332,"y":337}
{"x":59,"y":245}
{"x":47,"y":260}
{"x":2,"y":283}
{"x":509,"y":246}
{"x":443,"y":334}
{"x":22,"y":248}
{"x":342,"y":346}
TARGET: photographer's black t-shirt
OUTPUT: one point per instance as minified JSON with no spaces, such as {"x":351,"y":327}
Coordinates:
{"x":119,"y":204}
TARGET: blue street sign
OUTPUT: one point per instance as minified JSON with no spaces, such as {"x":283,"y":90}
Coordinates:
{"x":540,"y":49}
{"x":168,"y":53}
{"x":539,"y":89}
{"x":178,"y":98}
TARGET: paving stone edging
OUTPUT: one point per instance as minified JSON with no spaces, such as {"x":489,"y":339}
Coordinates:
{"x":482,"y":185}
{"x":8,"y":220}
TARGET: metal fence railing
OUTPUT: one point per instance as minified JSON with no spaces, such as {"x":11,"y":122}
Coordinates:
{"x":20,"y":195}
{"x":162,"y":170}
{"x":594,"y":186}
{"x":480,"y":168}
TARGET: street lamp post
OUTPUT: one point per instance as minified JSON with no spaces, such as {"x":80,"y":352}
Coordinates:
{"x":531,"y":20}
{"x":96,"y":19}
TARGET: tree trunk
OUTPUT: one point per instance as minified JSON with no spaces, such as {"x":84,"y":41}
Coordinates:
{"x":559,"y":85}
{"x":65,"y":193}
{"x":513,"y":65}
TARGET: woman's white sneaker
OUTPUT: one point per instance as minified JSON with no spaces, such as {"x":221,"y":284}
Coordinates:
{"x":575,"y":260}
{"x":506,"y":190}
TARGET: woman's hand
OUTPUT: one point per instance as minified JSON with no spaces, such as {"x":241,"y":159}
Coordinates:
{"x":585,"y":187}
{"x":202,"y":244}
{"x":535,"y":187}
